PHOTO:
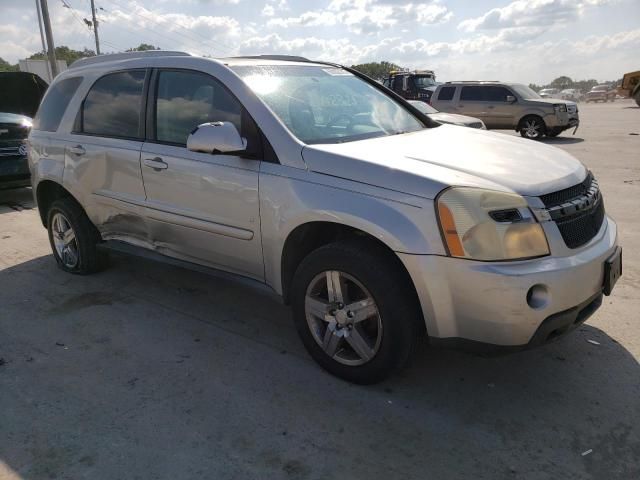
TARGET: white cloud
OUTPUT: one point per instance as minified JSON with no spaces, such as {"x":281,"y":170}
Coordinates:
{"x":367,"y":16}
{"x":268,"y":11}
{"x":526,"y":13}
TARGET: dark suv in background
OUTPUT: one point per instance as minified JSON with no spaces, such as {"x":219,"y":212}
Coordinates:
{"x":20,"y":95}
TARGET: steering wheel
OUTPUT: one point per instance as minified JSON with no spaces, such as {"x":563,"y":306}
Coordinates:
{"x":334,"y":120}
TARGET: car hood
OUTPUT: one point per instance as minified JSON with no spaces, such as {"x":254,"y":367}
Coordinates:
{"x":423,"y":163}
{"x":453,"y":118}
{"x":550,"y":101}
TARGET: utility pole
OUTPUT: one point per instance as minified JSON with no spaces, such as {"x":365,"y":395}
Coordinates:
{"x":47,"y":30}
{"x":95,"y":27}
{"x":44,"y":45}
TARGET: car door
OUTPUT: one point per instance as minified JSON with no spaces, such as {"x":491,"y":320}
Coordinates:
{"x":500,"y":112}
{"x":102,"y":154}
{"x":201,"y":207}
{"x":473,"y":103}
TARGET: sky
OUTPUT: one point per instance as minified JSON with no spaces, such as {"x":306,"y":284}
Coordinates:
{"x":529,"y":41}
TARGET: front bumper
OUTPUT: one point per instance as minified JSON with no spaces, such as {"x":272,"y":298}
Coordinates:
{"x":486,"y":302}
{"x":14,"y":172}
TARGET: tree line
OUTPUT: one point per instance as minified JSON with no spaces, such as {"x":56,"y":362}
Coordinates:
{"x":69,"y":55}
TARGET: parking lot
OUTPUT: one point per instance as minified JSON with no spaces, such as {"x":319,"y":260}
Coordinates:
{"x":151,"y":371}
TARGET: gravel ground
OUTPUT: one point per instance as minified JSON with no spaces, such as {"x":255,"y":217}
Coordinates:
{"x":150,"y":371}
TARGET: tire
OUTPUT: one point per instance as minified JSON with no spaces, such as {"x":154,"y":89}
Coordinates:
{"x":554,"y":132}
{"x":532,"y":127}
{"x":78,"y":252}
{"x":365,"y":272}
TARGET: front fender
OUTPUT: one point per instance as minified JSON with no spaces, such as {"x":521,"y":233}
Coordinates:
{"x":287,"y":203}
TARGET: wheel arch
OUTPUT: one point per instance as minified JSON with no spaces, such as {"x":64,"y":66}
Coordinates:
{"x":309,"y":236}
{"x":47,"y":192}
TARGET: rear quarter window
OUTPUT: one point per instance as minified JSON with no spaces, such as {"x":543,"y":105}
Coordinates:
{"x":113,"y":106}
{"x":55,"y":103}
{"x":446,"y":93}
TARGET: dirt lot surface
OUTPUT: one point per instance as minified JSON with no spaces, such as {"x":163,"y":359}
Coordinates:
{"x":149,"y":371}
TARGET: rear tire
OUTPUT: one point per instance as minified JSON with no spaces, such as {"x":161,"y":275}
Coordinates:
{"x":74,"y":238}
{"x":370,"y":279}
{"x":532,"y":127}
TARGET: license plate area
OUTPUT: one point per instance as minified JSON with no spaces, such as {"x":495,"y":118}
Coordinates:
{"x":612,"y":271}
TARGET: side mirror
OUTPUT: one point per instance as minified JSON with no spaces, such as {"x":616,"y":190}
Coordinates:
{"x":511,"y":99}
{"x":222,"y":137}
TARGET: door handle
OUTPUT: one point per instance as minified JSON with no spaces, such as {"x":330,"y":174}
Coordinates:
{"x":156,"y":163}
{"x":77,"y":150}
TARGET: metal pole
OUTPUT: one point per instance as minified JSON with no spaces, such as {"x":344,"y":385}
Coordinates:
{"x":44,"y":45}
{"x":47,"y":31}
{"x":95,"y":27}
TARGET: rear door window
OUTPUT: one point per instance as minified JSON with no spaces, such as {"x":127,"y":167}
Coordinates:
{"x":473,"y":93}
{"x":55,"y":103}
{"x":113,"y":106}
{"x":446,"y":93}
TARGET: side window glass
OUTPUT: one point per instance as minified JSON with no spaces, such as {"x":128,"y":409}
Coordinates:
{"x":188,"y":99}
{"x":55,"y":103}
{"x":113,"y":105}
{"x":497,"y":94}
{"x":446,"y":93}
{"x":474,"y":94}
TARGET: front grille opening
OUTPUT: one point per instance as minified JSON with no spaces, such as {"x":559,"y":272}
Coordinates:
{"x":579,"y":229}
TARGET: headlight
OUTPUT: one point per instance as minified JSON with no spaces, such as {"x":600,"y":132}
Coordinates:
{"x":487,"y":225}
{"x":560,"y":107}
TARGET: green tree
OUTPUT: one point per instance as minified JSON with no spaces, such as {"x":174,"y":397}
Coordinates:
{"x":65,"y":53}
{"x":6,"y":66}
{"x":143,"y":47}
{"x":376,"y":70}
{"x":562,"y":83}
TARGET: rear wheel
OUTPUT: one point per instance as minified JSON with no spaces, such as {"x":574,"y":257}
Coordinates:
{"x":532,"y":127}
{"x":354,"y":311}
{"x":73,"y":238}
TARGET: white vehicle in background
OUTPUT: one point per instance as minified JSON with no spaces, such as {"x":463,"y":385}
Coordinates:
{"x":450,"y":118}
{"x":549,"y":93}
{"x":571,"y":94}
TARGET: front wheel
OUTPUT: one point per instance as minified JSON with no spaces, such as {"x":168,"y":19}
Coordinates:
{"x":354,"y":310}
{"x":532,"y":128}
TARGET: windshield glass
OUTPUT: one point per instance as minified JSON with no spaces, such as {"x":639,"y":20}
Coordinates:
{"x":327,"y":104}
{"x":424,"y":82}
{"x":524,"y":91}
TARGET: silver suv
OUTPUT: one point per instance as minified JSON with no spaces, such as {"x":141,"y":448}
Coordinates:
{"x":375,"y":223}
{"x":508,"y":106}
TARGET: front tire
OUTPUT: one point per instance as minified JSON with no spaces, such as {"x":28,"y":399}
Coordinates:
{"x":532,"y":127}
{"x":74,"y":238}
{"x":355,"y":311}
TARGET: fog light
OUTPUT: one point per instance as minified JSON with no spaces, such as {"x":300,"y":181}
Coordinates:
{"x":538,"y":296}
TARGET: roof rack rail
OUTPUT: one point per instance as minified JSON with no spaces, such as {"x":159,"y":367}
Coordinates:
{"x":112,"y":57}
{"x":291,"y":58}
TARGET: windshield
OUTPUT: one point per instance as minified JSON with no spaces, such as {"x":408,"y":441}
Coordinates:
{"x":424,"y":82}
{"x":524,"y":91}
{"x":321,"y":104}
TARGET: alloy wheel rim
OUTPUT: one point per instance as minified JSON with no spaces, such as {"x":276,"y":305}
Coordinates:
{"x":64,"y":240}
{"x":532,"y":129}
{"x":343,"y":318}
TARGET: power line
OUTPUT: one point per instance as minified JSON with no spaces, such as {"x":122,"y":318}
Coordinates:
{"x":217,"y":45}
